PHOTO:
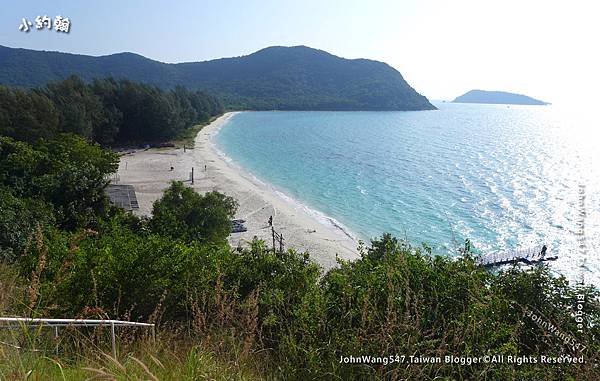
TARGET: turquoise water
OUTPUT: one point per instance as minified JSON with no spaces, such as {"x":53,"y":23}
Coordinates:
{"x":505,"y":177}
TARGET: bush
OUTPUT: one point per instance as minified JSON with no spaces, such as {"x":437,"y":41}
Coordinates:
{"x":124,"y":274}
{"x":186,"y":215}
{"x":67,"y":172}
{"x":19,"y":218}
{"x":395,"y":299}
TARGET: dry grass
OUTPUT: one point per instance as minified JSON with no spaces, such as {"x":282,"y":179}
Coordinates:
{"x":33,"y":291}
{"x":11,"y":289}
{"x":222,"y":350}
{"x":163,"y":360}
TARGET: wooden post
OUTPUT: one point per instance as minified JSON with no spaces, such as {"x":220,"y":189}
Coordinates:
{"x":273,"y":232}
{"x":56,"y":338}
{"x":192,"y":175}
{"x":281,"y":243}
{"x":114,"y":344}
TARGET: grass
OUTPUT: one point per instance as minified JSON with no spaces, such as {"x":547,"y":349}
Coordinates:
{"x":163,"y":360}
{"x":177,"y":353}
{"x":32,"y":354}
{"x":264,"y":316}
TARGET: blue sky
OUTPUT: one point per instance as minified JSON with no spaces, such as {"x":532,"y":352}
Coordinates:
{"x":443,"y":48}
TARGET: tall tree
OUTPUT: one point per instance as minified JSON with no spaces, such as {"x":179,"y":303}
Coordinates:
{"x":27,"y":115}
{"x":81,"y":111}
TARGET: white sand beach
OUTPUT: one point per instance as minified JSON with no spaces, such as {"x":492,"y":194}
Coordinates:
{"x":150,"y":172}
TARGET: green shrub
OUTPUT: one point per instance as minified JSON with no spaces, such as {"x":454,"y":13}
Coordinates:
{"x":67,"y":172}
{"x":122,"y":273}
{"x":186,"y":215}
{"x":19,"y":218}
{"x":395,"y":299}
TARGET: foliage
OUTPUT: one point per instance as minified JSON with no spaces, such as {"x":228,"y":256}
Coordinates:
{"x":184,"y":214}
{"x":27,"y":115}
{"x":150,"y":114}
{"x":123,"y":273}
{"x":79,"y":108}
{"x":19,"y":218}
{"x":106,"y":111}
{"x":66,"y":172}
{"x":394,"y":300}
{"x":87,"y":357}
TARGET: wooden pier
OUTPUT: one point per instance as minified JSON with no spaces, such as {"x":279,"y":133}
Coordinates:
{"x":526,"y":256}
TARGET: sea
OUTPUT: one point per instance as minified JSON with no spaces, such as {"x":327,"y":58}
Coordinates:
{"x":504,"y":177}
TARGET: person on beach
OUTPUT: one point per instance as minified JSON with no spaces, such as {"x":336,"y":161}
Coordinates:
{"x":543,"y":252}
{"x":204,"y":167}
{"x":270,"y":220}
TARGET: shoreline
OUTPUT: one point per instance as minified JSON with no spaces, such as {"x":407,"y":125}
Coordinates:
{"x":324,"y":219}
{"x":303,"y":228}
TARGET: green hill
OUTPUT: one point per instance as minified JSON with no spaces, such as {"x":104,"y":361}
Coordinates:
{"x":497,"y":97}
{"x":283,"y":78}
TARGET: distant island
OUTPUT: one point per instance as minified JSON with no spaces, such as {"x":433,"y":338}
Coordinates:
{"x":497,"y":97}
{"x":274,"y":78}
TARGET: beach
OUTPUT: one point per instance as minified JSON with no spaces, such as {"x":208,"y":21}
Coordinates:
{"x":303,"y":229}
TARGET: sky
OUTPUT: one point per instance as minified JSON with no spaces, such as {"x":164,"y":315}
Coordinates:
{"x":545,"y":49}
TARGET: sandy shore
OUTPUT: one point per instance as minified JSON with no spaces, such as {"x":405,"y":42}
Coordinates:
{"x":303,"y":229}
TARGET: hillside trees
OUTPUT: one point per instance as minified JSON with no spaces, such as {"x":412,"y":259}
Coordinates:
{"x":27,"y":115}
{"x":80,"y":110}
{"x":66,"y":172}
{"x":107,"y":111}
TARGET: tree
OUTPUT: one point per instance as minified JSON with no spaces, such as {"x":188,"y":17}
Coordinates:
{"x":184,"y":214}
{"x":67,"y":172}
{"x":107,"y":111}
{"x":106,"y":132}
{"x":81,"y":111}
{"x":27,"y":115}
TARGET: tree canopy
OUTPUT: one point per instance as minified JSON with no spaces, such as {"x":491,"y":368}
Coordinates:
{"x":106,"y":111}
{"x":184,"y":214}
{"x":67,"y":172}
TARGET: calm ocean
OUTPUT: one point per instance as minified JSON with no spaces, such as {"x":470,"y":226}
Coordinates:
{"x":504,"y":177}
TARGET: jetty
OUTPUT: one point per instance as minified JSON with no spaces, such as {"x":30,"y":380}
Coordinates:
{"x":526,"y":256}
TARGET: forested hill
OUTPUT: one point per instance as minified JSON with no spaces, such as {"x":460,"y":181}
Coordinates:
{"x":497,"y":97}
{"x":284,"y":78}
